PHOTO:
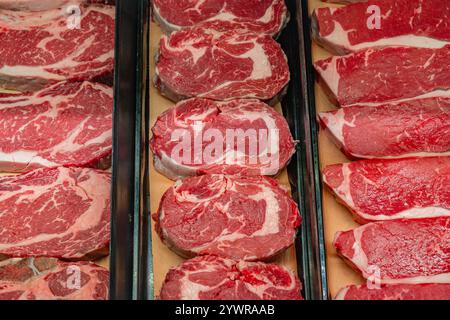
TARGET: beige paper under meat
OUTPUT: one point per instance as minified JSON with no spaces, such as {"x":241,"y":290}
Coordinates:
{"x":336,"y":217}
{"x":163,"y":258}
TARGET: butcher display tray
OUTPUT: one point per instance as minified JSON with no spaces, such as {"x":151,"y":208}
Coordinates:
{"x":302,"y":175}
{"x":128,"y":215}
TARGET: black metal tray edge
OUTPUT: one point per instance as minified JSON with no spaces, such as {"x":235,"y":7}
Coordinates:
{"x":129,"y":150}
{"x":304,"y":169}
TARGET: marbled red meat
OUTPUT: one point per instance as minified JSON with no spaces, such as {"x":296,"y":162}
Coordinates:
{"x":429,"y":291}
{"x":236,"y":123}
{"x":64,"y":124}
{"x":392,"y":189}
{"x":50,"y":279}
{"x":214,"y":278}
{"x":60,"y":212}
{"x":400,"y":251}
{"x":419,"y":23}
{"x":418,"y":127}
{"x":379,"y":75}
{"x":259,"y":16}
{"x":37,"y":48}
{"x":243,"y":218}
{"x":220,"y":66}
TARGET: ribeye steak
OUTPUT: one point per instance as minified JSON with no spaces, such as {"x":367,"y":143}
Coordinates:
{"x":41,"y":47}
{"x":385,"y":74}
{"x":399,"y":251}
{"x":42,"y":5}
{"x":50,"y":279}
{"x":214,"y":278}
{"x":248,"y":218}
{"x":64,"y":124}
{"x":392,"y":189}
{"x":418,"y":23}
{"x":236,"y":137}
{"x":418,"y":127}
{"x":428,"y":291}
{"x":61,"y":212}
{"x":220,"y":66}
{"x":259,"y":16}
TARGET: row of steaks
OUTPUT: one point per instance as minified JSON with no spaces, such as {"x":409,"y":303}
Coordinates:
{"x":56,"y":133}
{"x":392,"y":84}
{"x":221,"y":142}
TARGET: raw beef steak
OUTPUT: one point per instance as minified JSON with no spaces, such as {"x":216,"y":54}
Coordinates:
{"x":259,"y":16}
{"x":385,"y":74}
{"x":418,"y":23}
{"x":42,"y":5}
{"x":392,"y":189}
{"x":50,"y":279}
{"x":412,"y":128}
{"x":220,"y":66}
{"x":243,"y":218}
{"x":214,"y":278}
{"x":429,"y":291}
{"x":237,"y":137}
{"x":65,"y":124}
{"x":344,"y":1}
{"x":399,"y":251}
{"x":37,"y":48}
{"x":61,"y":212}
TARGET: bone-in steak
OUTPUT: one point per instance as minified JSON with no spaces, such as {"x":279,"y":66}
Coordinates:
{"x":392,"y":189}
{"x":41,"y":47}
{"x":418,"y":127}
{"x":61,"y":212}
{"x":429,"y":291}
{"x":237,"y":126}
{"x":65,"y":124}
{"x":385,"y":74}
{"x":400,"y":251}
{"x":419,"y":23}
{"x":50,"y":279}
{"x":214,"y":278}
{"x":220,"y":66}
{"x":248,"y":218}
{"x":259,"y":16}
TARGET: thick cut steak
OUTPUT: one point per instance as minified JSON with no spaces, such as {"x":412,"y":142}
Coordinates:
{"x":429,"y":291}
{"x":214,"y":278}
{"x":418,"y":23}
{"x":220,"y":66}
{"x":65,"y":124}
{"x":37,"y":48}
{"x":385,"y":74}
{"x":50,"y":279}
{"x":392,"y":189}
{"x":399,"y":251}
{"x":259,"y":16}
{"x":412,"y":128}
{"x":201,"y":136}
{"x":248,"y":218}
{"x":61,"y":212}
{"x":42,"y":5}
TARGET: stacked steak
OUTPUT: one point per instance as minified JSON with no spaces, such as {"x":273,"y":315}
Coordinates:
{"x":46,"y":279}
{"x":56,"y":131}
{"x":219,"y":61}
{"x":392,"y":87}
